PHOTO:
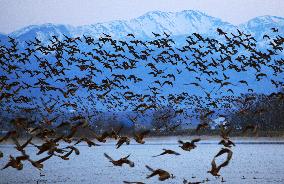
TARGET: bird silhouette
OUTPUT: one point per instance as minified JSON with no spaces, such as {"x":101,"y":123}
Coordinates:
{"x":167,"y":151}
{"x":16,"y":162}
{"x":188,"y":146}
{"x":39,"y":163}
{"x":121,"y":161}
{"x":163,"y":175}
{"x":214,"y":168}
{"x":121,"y":141}
{"x":138,"y":137}
{"x":21,"y":147}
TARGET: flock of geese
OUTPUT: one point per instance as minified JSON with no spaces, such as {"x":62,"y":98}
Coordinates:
{"x":52,"y":144}
{"x":45,"y":80}
{"x":62,"y":74}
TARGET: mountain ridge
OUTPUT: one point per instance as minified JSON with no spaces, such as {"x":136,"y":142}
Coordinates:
{"x":175,"y":23}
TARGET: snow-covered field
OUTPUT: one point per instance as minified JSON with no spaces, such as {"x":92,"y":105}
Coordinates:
{"x":254,"y":161}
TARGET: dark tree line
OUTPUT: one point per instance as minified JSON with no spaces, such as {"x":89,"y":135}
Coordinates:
{"x":265,"y":111}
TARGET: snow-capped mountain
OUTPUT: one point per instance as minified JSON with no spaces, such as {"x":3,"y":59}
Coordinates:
{"x":176,"y":23}
{"x":41,"y":32}
{"x":260,"y":25}
{"x":180,"y":23}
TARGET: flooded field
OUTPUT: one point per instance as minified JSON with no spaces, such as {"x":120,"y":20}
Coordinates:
{"x":254,"y":161}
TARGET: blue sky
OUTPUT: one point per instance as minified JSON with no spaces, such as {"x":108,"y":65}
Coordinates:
{"x":17,"y":14}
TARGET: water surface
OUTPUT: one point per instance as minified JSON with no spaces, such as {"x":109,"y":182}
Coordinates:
{"x":254,"y":161}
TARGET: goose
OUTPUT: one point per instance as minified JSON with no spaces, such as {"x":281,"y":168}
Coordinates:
{"x":167,"y":151}
{"x":121,"y":161}
{"x":163,"y":175}
{"x":139,"y":137}
{"x":187,"y":146}
{"x":21,"y":147}
{"x":121,"y":141}
{"x":16,"y":162}
{"x":38,"y":164}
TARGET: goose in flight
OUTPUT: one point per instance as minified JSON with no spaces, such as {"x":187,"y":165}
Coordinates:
{"x":187,"y":146}
{"x":16,"y":162}
{"x":21,"y":147}
{"x":121,"y":161}
{"x":163,"y":175}
{"x":122,"y":140}
{"x":38,"y":164}
{"x":138,"y":137}
{"x":214,"y":168}
{"x":167,"y":151}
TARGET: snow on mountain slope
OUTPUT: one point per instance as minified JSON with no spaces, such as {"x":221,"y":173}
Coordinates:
{"x":262,"y":25}
{"x":175,"y":23}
